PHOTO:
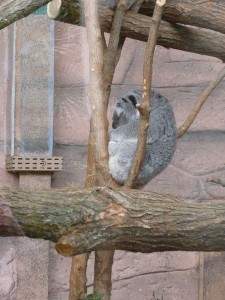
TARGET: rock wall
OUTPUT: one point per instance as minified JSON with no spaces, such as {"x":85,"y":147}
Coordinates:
{"x":32,"y":269}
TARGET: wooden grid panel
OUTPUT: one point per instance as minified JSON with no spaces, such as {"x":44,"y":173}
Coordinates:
{"x":19,"y":163}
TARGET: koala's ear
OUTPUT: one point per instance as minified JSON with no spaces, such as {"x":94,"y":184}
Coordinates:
{"x":133,"y":100}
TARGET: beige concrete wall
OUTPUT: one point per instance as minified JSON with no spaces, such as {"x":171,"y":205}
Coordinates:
{"x":200,"y":155}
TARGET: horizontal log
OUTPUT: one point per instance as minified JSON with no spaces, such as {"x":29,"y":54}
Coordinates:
{"x":206,"y":14}
{"x":61,"y":9}
{"x":198,"y":13}
{"x":85,"y":220}
{"x":13,"y":10}
{"x":196,"y":40}
{"x":136,"y":26}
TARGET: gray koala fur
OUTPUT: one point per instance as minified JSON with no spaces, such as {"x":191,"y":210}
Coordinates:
{"x":161,"y":143}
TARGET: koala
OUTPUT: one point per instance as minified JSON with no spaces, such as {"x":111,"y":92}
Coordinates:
{"x":161,"y":141}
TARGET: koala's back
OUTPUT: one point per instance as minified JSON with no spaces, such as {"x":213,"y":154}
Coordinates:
{"x":160,"y":148}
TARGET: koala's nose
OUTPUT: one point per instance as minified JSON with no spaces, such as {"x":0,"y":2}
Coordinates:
{"x":114,"y":125}
{"x":115,"y":120}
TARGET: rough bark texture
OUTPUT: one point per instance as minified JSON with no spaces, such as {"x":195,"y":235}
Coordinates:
{"x":136,"y":26}
{"x":84,"y":220}
{"x":13,"y":10}
{"x":78,"y":277}
{"x":207,"y":14}
{"x":177,"y":36}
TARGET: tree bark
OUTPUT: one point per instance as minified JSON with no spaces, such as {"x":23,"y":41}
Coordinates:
{"x":177,"y":36}
{"x":81,"y":221}
{"x":13,"y":10}
{"x":78,"y":278}
{"x":206,"y":14}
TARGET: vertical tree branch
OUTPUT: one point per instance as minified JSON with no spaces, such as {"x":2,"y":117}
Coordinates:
{"x":111,"y":56}
{"x":90,"y":173}
{"x":97,"y":170}
{"x":78,"y":277}
{"x":104,"y":259}
{"x":96,"y":95}
{"x":101,"y":76}
{"x":103,"y":273}
{"x":196,"y":109}
{"x":144,"y":106}
{"x":136,"y":6}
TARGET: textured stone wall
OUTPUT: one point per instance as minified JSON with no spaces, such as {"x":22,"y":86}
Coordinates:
{"x":200,"y":156}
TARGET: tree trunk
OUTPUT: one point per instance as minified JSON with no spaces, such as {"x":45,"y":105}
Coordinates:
{"x":136,"y":26}
{"x":81,"y":221}
{"x":99,"y":133}
{"x":78,"y":279}
{"x":13,"y":10}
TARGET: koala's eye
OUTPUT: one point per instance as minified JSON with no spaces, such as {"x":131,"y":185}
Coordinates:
{"x":125,"y":100}
{"x":118,"y":104}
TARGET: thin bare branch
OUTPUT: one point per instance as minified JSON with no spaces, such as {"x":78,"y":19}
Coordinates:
{"x":145,"y":106}
{"x":216,"y":181}
{"x":111,"y":55}
{"x":136,"y":6}
{"x":196,"y":109}
{"x":104,"y":41}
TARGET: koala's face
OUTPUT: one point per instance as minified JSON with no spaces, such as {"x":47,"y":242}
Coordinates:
{"x":125,"y":110}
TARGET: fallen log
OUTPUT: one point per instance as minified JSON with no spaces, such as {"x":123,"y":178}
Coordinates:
{"x":81,"y":221}
{"x":136,"y":26}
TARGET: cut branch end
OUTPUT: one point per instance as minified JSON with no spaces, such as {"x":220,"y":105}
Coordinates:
{"x":161,"y":2}
{"x":65,"y":249}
